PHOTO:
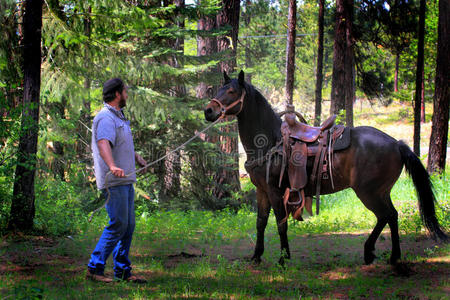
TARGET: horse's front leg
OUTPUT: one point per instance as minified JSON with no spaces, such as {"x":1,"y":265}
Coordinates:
{"x":261,"y":223}
{"x":280,"y":213}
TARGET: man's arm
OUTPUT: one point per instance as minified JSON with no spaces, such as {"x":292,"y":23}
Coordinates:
{"x":106,"y":153}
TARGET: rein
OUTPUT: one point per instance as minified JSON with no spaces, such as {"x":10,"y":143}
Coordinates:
{"x":152,"y":163}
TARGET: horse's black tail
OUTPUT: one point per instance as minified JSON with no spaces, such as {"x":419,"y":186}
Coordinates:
{"x":424,"y":189}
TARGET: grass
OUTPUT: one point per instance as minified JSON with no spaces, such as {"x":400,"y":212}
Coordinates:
{"x":204,"y":255}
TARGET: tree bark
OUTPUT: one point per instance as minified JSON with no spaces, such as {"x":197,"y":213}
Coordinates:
{"x":290,"y":50}
{"x":248,"y":55}
{"x":83,"y":150}
{"x":229,"y":174}
{"x":419,"y":77}
{"x":319,"y":74}
{"x":439,"y":130}
{"x":342,"y":88}
{"x":397,"y":63}
{"x":22,"y":206}
{"x":206,"y":46}
{"x":172,"y":170}
{"x":422,"y":101}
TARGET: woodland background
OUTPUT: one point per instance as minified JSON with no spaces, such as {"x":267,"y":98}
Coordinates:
{"x":55,"y":56}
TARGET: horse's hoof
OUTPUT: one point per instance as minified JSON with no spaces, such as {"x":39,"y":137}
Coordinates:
{"x":369,"y":257}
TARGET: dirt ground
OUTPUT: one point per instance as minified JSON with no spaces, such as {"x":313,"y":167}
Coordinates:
{"x":336,"y":257}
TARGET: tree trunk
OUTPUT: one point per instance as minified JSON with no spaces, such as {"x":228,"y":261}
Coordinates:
{"x":319,"y":74}
{"x":439,"y":130}
{"x":205,"y":47}
{"x":228,"y":16}
{"x":229,"y":174}
{"x":342,"y":86}
{"x":248,"y":55}
{"x":422,"y":102}
{"x":419,"y":77}
{"x":397,"y":63}
{"x":350,"y":70}
{"x":84,"y":151}
{"x":290,"y":50}
{"x":58,"y":166}
{"x":22,"y":206}
{"x":172,"y":170}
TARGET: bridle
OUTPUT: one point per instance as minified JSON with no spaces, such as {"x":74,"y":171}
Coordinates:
{"x":224,"y":109}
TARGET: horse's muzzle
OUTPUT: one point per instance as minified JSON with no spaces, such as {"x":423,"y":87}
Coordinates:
{"x":210,"y":114}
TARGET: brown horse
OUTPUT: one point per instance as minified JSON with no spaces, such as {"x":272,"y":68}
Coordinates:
{"x":370,"y":166}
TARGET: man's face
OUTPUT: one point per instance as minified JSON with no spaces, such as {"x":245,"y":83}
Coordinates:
{"x":123,"y":98}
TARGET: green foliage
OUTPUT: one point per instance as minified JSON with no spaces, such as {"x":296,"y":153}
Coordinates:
{"x":408,"y":60}
{"x":58,"y":208}
{"x":262,"y":53}
{"x":10,"y":92}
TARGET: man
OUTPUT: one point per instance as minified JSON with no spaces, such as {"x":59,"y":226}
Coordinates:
{"x":114,"y":165}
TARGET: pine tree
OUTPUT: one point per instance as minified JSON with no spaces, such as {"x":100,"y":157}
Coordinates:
{"x":23,"y":206}
{"x":290,"y":50}
{"x":419,"y":77}
{"x":439,"y":131}
{"x":342,"y":90}
{"x":319,"y":68}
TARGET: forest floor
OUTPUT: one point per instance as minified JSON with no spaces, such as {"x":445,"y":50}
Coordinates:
{"x":328,"y":265}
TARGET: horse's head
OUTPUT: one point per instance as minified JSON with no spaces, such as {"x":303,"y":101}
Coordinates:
{"x":229,"y":100}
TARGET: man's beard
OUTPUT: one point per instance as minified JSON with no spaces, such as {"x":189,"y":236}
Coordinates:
{"x":122,"y":102}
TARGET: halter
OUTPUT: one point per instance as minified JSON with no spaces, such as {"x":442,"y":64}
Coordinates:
{"x":224,"y":109}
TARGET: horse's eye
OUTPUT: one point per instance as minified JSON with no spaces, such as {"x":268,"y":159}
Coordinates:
{"x":231,"y":92}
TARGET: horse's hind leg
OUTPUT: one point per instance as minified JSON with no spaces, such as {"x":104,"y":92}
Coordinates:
{"x":369,"y":246}
{"x":261,"y":223}
{"x":385,"y":212}
{"x":393,"y":224}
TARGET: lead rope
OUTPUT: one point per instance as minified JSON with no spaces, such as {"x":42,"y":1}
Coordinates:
{"x":154,"y":162}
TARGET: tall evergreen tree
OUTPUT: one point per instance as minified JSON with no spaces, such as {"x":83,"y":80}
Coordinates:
{"x":172,"y":173}
{"x":439,"y":131}
{"x":228,"y":176}
{"x":319,"y":68}
{"x":419,"y":77}
{"x":342,"y":89}
{"x":290,"y":50}
{"x":23,"y":206}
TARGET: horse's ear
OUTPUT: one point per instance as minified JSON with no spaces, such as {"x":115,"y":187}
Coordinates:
{"x":241,"y":78}
{"x":226,"y":77}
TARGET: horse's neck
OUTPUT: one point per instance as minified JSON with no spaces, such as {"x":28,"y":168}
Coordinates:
{"x":259,"y":128}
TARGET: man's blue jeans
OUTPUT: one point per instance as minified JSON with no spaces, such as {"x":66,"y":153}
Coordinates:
{"x":116,"y":237}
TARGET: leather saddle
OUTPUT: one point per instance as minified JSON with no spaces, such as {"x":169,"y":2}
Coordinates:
{"x":297,"y":139}
{"x":306,"y":133}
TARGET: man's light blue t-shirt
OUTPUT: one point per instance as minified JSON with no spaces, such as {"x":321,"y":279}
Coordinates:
{"x":110,"y":124}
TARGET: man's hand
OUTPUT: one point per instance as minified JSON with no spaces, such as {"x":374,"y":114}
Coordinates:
{"x":118,"y":172}
{"x":141,"y":162}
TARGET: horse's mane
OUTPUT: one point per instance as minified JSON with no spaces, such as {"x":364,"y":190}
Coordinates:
{"x":262,"y":108}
